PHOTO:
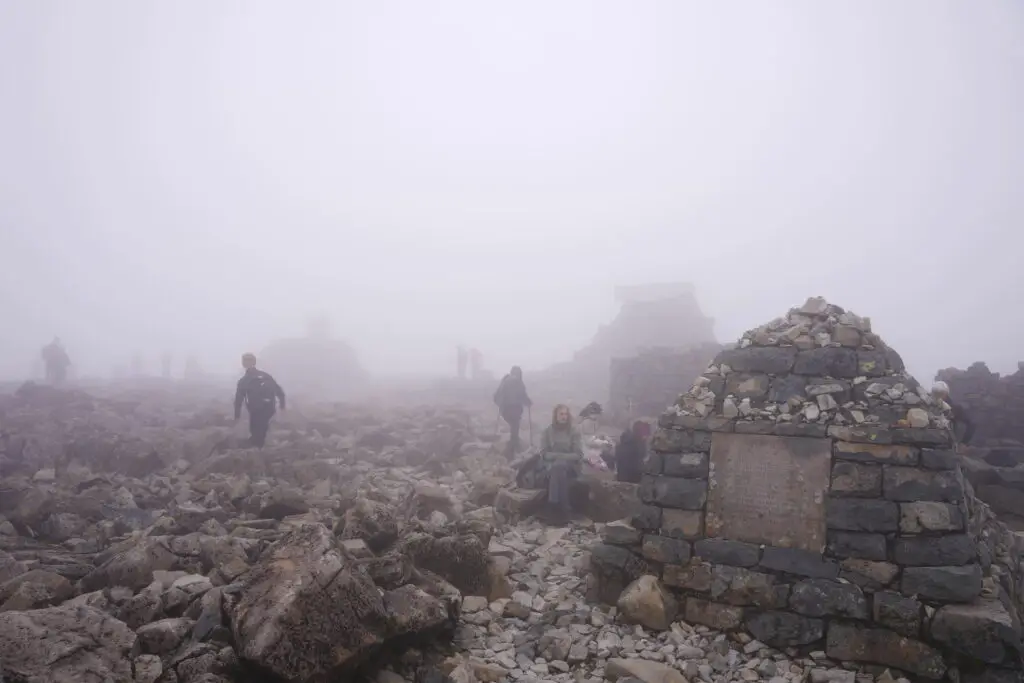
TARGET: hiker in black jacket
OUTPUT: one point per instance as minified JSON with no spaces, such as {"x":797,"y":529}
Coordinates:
{"x":511,"y":398}
{"x":260,"y":394}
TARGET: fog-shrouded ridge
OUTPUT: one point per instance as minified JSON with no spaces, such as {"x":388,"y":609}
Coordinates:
{"x":202,"y":177}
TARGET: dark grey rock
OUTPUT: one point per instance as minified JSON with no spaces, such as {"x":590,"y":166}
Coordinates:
{"x":798,"y":562}
{"x":743,"y":587}
{"x":825,"y":597}
{"x":671,"y":441}
{"x":689,"y":465}
{"x":742,"y":385}
{"x":775,"y":360}
{"x":898,"y":612}
{"x":786,"y":387}
{"x":875,"y":453}
{"x":939,"y":459}
{"x":755,"y":427}
{"x":685,"y":494}
{"x":991,"y":674}
{"x":653,"y":463}
{"x":929,"y":516}
{"x":932,"y":551}
{"x":733,"y":553}
{"x":838,"y":389}
{"x":869,"y":575}
{"x":785,"y":629}
{"x":856,"y":479}
{"x":827,"y":362}
{"x":809,"y":429}
{"x":922,"y":437}
{"x":942,"y":584}
{"x":910,"y":484}
{"x":872,"y":363}
{"x":857,"y":514}
{"x":647,"y":518}
{"x":665,"y":550}
{"x":620,"y":534}
{"x":861,"y":434}
{"x":850,"y":642}
{"x":843,"y":544}
{"x":611,"y":556}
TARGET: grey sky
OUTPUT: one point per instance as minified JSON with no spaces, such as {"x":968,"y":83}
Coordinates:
{"x":203,"y":175}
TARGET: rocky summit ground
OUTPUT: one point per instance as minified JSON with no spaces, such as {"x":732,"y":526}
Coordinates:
{"x":139,"y":541}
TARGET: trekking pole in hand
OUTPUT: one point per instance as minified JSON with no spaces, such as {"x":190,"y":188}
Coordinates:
{"x":529,"y":416}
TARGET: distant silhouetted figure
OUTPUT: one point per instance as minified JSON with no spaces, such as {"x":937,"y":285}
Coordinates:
{"x":631,"y":451}
{"x":476,"y":362}
{"x":461,"y":358}
{"x":165,"y":365}
{"x":260,"y":394}
{"x":511,"y":398}
{"x":192,"y":368}
{"x":56,"y":362}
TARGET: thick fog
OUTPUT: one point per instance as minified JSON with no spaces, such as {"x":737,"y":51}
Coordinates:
{"x":200,"y":177}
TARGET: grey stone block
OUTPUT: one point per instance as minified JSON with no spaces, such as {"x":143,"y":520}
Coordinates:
{"x":647,"y":518}
{"x":786,"y":387}
{"x":927,"y":516}
{"x":850,"y":642}
{"x":898,"y":612}
{"x":742,"y":385}
{"x":828,"y":597}
{"x":872,"y":363}
{"x":733,"y":553}
{"x":856,"y":479}
{"x":689,"y":465}
{"x":685,"y":494}
{"x":861,"y":514}
{"x":775,"y":360}
{"x":942,"y":584}
{"x":844,"y":544}
{"x":653,"y":463}
{"x":933,"y":459}
{"x":930,"y":551}
{"x":798,"y":562}
{"x":785,"y":629}
{"x":910,"y":484}
{"x":808,"y":429}
{"x":739,"y":586}
{"x":827,"y":361}
{"x":665,"y":550}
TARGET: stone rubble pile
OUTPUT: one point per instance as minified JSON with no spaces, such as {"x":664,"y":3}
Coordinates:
{"x":818,"y":367}
{"x":139,"y":544}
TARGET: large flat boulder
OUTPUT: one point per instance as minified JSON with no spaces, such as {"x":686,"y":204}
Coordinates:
{"x":66,"y":644}
{"x":308,"y":611}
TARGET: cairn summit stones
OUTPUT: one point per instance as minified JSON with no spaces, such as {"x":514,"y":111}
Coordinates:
{"x":805,"y":489}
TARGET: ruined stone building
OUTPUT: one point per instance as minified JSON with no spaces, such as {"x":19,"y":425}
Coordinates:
{"x":805,"y":490}
{"x":659,"y":319}
{"x":645,"y":384}
{"x":995,"y":404}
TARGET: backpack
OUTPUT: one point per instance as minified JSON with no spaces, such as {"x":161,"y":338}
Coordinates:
{"x":260,"y":393}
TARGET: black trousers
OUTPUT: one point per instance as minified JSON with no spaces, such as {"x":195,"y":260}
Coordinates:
{"x":259,"y":423}
{"x":513,"y":421}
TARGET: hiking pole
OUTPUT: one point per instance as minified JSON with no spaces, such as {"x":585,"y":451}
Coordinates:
{"x":529,"y":416}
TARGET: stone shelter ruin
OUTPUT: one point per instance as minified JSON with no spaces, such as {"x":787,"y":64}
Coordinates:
{"x":805,"y":490}
{"x":644,"y":384}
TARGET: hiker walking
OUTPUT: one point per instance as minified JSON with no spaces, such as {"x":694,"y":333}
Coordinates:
{"x":56,"y":362}
{"x":511,"y":398}
{"x":260,"y":393}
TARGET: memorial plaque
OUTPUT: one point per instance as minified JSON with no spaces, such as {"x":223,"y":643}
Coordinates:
{"x":769,"y":489}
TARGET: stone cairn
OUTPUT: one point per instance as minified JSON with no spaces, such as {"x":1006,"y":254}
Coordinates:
{"x":805,"y":490}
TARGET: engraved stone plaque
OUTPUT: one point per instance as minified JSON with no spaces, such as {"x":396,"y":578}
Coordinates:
{"x":769,"y":489}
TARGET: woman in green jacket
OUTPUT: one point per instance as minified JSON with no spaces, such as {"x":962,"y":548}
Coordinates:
{"x":561,"y":452}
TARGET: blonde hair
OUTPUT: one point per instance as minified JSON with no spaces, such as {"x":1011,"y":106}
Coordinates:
{"x":554,"y":415}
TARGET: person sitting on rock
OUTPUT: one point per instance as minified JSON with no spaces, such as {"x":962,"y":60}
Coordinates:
{"x":963,"y":427}
{"x":631,"y":451}
{"x":511,"y":398}
{"x":561,"y":456}
{"x":260,"y":393}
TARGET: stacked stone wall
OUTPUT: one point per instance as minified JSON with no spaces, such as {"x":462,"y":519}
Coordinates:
{"x":896,"y":564}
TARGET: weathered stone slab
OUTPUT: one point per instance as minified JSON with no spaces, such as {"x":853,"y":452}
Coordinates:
{"x":689,"y":465}
{"x":825,"y":597}
{"x":925,"y":551}
{"x":674,"y":492}
{"x":939,"y":460}
{"x":983,"y":630}
{"x":943,"y":584}
{"x":924,"y":516}
{"x":847,"y":642}
{"x":856,"y":479}
{"x":868,"y":574}
{"x":665,"y":550}
{"x":695,"y":576}
{"x":647,"y":518}
{"x":876,"y":453}
{"x":769,"y":489}
{"x":785,"y":629}
{"x":799,"y":562}
{"x":859,"y":514}
{"x":868,"y":435}
{"x":827,"y":361}
{"x":844,"y":544}
{"x":733,"y":553}
{"x":909,"y":484}
{"x":713,"y":614}
{"x":767,"y":360}
{"x":747,"y":386}
{"x":682,"y":523}
{"x":898,"y":612}
{"x":739,"y":586}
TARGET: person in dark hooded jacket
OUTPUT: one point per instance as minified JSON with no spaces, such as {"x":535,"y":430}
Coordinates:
{"x":511,"y":398}
{"x":631,"y":451}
